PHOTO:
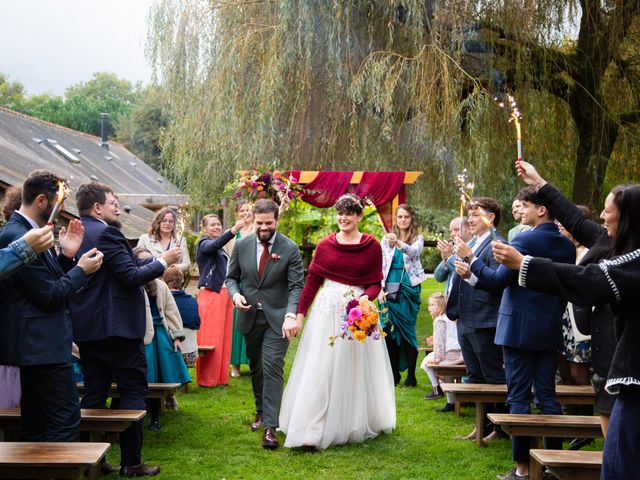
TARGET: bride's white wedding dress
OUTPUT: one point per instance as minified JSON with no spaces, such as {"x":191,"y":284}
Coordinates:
{"x":338,"y":394}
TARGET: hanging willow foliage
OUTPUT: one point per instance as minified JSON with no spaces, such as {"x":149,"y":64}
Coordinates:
{"x":371,"y":85}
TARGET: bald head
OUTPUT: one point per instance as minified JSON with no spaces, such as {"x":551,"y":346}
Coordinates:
{"x":454,"y":228}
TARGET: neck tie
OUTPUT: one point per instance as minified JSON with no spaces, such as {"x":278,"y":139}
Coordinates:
{"x":263,"y":258}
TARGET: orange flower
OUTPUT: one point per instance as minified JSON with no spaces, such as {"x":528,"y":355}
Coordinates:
{"x":260,"y":188}
{"x":352,"y":328}
{"x":360,"y":336}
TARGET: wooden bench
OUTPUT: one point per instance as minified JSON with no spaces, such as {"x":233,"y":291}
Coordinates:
{"x":156,"y":391}
{"x":481,"y":394}
{"x":539,"y":426}
{"x":50,"y":460}
{"x":456,"y":372}
{"x":204,"y":349}
{"x":565,"y":464}
{"x":92,"y":420}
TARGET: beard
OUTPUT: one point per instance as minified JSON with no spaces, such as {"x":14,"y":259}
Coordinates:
{"x":266,"y":236}
{"x":114,"y":223}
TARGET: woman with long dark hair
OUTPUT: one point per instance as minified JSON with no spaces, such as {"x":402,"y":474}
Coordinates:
{"x":163,"y":236}
{"x":400,"y":294}
{"x":598,"y":240}
{"x":615,"y":281}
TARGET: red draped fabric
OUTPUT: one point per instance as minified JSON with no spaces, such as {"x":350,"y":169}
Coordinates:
{"x":379,"y":188}
{"x":324,"y":190}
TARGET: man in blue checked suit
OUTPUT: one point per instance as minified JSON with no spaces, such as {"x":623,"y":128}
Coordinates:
{"x":529,"y":323}
{"x":477,"y":309}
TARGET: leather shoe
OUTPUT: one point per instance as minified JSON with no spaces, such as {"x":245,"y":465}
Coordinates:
{"x":269,"y":440}
{"x":512,"y":475}
{"x":108,"y":469}
{"x":139,"y":471}
{"x":258,"y":422}
{"x":448,"y":407}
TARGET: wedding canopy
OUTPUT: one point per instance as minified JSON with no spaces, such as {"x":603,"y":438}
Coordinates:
{"x":385,"y":190}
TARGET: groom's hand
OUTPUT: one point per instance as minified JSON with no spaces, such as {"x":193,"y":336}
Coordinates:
{"x":291,"y":326}
{"x":241,"y":303}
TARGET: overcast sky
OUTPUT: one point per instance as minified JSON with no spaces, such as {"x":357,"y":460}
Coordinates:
{"x":48,"y":45}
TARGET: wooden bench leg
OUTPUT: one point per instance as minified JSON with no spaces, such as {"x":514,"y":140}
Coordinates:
{"x":535,"y":469}
{"x":93,"y":472}
{"x":479,"y":423}
{"x":456,"y":408}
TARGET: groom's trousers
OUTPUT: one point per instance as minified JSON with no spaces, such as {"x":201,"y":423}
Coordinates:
{"x":266,"y":350}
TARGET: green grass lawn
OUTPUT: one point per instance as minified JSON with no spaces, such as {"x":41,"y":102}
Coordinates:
{"x":209,"y":438}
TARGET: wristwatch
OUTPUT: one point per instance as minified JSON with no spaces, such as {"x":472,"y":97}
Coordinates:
{"x":468,"y":259}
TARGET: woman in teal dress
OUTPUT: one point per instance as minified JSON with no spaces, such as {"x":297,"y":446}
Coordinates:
{"x":238,"y":347}
{"x":400,"y":295}
{"x":164,"y":356}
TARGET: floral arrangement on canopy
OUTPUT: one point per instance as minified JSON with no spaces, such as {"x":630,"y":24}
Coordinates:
{"x":276,"y":185}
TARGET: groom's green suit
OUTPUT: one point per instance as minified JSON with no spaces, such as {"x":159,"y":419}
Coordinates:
{"x":277,"y":292}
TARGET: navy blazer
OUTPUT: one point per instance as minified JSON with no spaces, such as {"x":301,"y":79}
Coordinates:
{"x":475,"y":307}
{"x":528,"y":319}
{"x":35,"y":326}
{"x":212,"y":261}
{"x":113,"y":303}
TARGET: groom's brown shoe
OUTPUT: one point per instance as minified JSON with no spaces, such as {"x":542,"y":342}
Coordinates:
{"x":258,"y":422}
{"x":269,"y":440}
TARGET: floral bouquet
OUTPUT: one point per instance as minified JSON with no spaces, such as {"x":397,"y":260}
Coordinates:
{"x":361,"y":320}
{"x":275,"y":185}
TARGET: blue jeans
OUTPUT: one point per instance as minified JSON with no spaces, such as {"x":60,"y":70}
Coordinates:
{"x":620,"y":453}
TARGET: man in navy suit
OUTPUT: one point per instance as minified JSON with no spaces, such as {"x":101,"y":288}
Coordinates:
{"x":109,"y":318}
{"x":477,"y":309}
{"x":529,"y":323}
{"x":35,"y":328}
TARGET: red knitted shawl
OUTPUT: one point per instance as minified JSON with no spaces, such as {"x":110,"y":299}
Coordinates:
{"x":358,"y":265}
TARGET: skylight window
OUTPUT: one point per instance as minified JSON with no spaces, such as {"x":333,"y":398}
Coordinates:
{"x":62,"y":151}
{"x":66,"y":153}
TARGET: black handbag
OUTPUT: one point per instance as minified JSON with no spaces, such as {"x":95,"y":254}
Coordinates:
{"x":392,"y":288}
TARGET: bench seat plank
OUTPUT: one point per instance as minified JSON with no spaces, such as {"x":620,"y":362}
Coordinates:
{"x":572,"y":426}
{"x":47,"y":460}
{"x":481,"y":394}
{"x":566,"y":464}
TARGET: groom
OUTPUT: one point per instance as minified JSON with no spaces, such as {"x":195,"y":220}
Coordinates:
{"x":264,"y":279}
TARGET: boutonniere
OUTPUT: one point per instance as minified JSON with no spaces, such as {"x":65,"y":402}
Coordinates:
{"x":275,"y":257}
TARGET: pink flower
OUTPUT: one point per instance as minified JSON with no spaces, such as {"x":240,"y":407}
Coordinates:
{"x":354,"y":315}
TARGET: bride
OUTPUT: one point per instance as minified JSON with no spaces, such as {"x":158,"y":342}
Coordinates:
{"x":343,"y":393}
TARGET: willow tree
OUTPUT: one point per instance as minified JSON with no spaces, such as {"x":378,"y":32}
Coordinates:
{"x":390,"y":84}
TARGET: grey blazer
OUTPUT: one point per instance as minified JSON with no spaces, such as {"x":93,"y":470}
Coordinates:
{"x":280,"y":287}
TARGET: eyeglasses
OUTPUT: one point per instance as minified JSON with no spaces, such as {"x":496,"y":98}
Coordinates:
{"x":114,"y":204}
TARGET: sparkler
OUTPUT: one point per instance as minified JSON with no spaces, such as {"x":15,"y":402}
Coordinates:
{"x":183,"y":217}
{"x":516,"y":117}
{"x":62,"y":193}
{"x":465,"y":199}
